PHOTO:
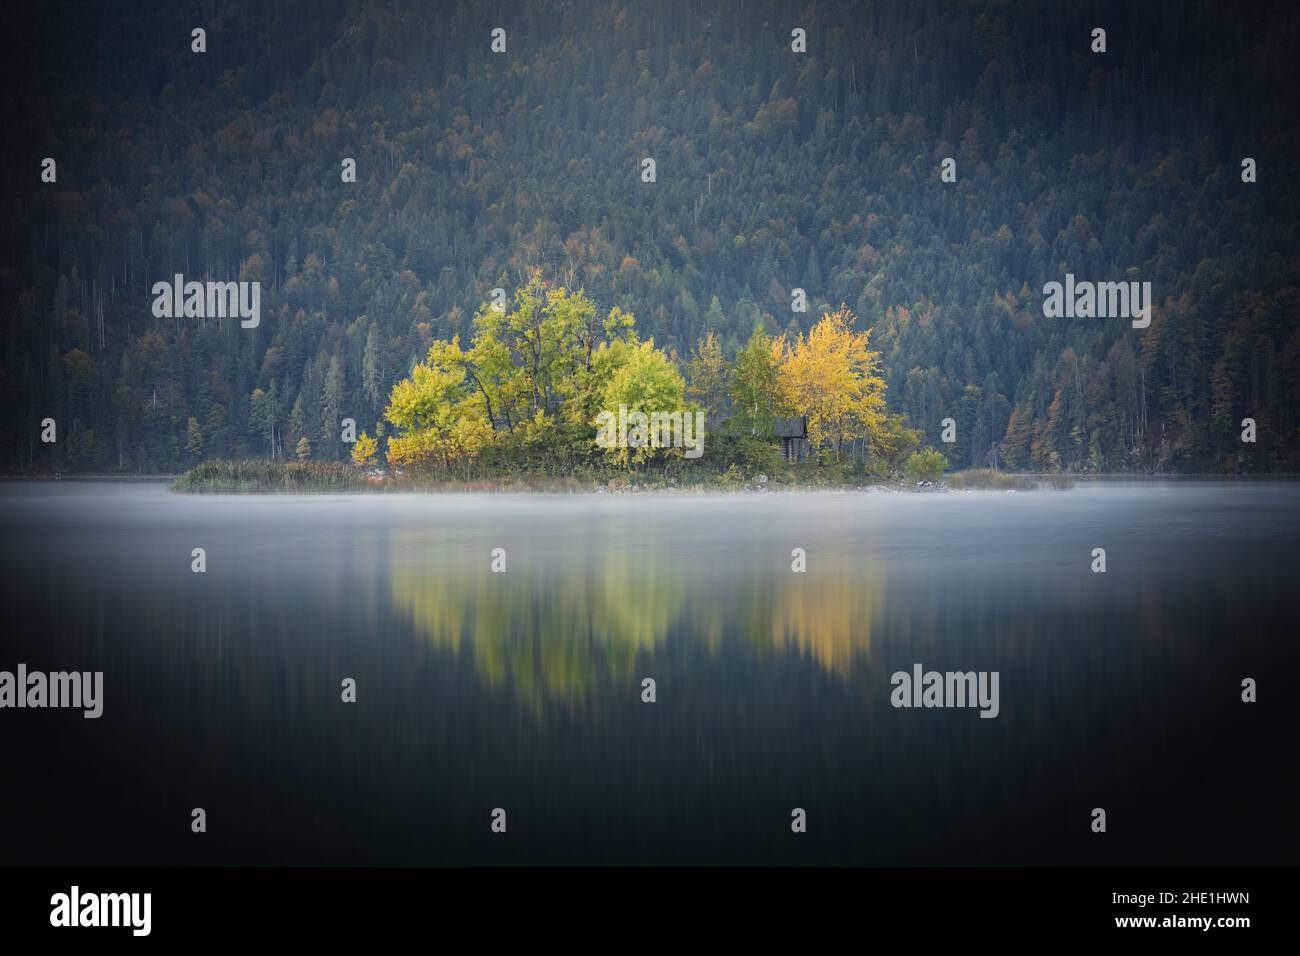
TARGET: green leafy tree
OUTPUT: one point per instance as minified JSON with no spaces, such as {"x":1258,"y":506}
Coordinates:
{"x":441,"y":421}
{"x":648,"y":382}
{"x":925,"y":465}
{"x":755,"y":383}
{"x":707,"y":373}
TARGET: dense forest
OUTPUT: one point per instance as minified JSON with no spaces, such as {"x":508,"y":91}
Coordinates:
{"x":774,"y":171}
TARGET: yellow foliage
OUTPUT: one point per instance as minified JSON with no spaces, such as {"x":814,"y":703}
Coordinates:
{"x":442,"y":421}
{"x":364,"y":451}
{"x":833,"y":378}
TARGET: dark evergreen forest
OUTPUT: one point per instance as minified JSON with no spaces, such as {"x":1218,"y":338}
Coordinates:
{"x":775,"y":170}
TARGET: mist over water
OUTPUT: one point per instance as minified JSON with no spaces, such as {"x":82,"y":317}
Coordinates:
{"x":522,"y":690}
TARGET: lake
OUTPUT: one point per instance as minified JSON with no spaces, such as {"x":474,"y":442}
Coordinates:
{"x":522,"y":690}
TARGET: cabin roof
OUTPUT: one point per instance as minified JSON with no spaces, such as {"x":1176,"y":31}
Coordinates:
{"x":790,"y":428}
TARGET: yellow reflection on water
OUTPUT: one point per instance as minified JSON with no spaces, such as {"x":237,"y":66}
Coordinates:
{"x":555,"y":627}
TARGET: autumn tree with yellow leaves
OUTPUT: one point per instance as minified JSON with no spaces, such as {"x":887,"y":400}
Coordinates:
{"x":832,"y":377}
{"x":364,"y":451}
{"x":435,"y":410}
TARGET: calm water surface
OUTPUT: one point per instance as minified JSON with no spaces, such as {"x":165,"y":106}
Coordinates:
{"x":522,"y":690}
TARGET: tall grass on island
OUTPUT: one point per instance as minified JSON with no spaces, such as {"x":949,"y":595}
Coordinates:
{"x":321,"y":477}
{"x":298,"y":477}
{"x":265,"y":476}
{"x":986,"y":479}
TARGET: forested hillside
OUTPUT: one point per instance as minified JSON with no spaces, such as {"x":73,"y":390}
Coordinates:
{"x":774,"y":170}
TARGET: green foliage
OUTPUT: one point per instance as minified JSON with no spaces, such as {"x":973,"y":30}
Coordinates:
{"x":647,"y":382}
{"x":892,"y":444}
{"x":925,"y":465}
{"x":751,"y":455}
{"x":709,"y":375}
{"x":543,"y":387}
{"x":755,"y":384}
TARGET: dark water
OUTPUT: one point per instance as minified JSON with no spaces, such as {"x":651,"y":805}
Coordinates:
{"x":522,"y":690}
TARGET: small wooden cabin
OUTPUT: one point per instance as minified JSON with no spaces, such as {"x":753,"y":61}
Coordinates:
{"x":793,"y":433}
